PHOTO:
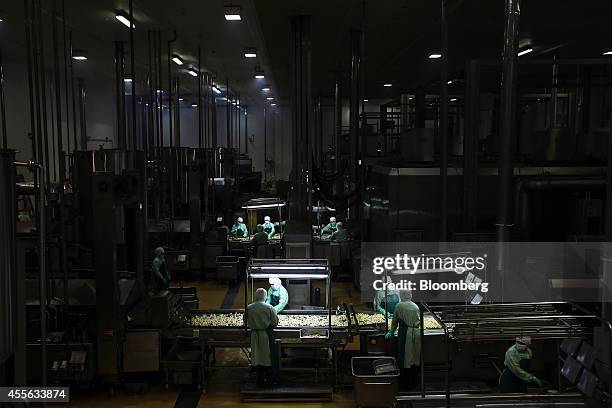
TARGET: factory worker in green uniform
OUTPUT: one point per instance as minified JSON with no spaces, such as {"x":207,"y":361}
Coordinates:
{"x":516,"y":375}
{"x":239,"y":229}
{"x":260,"y":239}
{"x":329,"y":228}
{"x":406,"y":317}
{"x":277,"y":295}
{"x":262,"y":319}
{"x":268,"y":227}
{"x":386,"y":305}
{"x":160,"y":272}
{"x":340,"y":234}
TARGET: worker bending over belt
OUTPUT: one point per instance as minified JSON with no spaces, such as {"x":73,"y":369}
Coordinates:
{"x":329,"y":228}
{"x":406,"y":317}
{"x":517,"y":362}
{"x":262,"y":319}
{"x":239,"y":229}
{"x":268,"y":227}
{"x":277,"y":295}
{"x":386,"y":304}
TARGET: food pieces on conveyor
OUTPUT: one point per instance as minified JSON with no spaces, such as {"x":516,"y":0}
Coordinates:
{"x":297,"y":320}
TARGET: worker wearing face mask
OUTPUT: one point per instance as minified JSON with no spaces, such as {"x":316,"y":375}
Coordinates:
{"x":407,"y":322}
{"x":160,"y":272}
{"x":268,"y":227}
{"x":262,"y":319}
{"x":239,"y":229}
{"x":277,"y":295}
{"x":516,"y":375}
{"x":340,"y":235}
{"x":329,"y":228}
{"x":386,"y":304}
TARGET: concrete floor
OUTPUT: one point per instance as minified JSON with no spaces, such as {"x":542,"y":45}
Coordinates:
{"x":224,"y":385}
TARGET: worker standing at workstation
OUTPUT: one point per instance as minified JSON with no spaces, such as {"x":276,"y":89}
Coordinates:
{"x":160,"y":271}
{"x":329,"y":228}
{"x":239,"y":229}
{"x":340,"y":235}
{"x":406,"y":318}
{"x":278,"y":297}
{"x":261,"y":318}
{"x":268,"y":227}
{"x":517,"y":362}
{"x":259,"y":240}
{"x":386,"y":304}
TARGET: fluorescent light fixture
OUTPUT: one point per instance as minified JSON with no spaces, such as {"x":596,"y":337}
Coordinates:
{"x":388,"y":84}
{"x":124,"y":19}
{"x":259,"y":76}
{"x":450,"y":82}
{"x":1,"y":20}
{"x":526,"y":51}
{"x":365,"y":100}
{"x":232,"y":13}
{"x":435,"y":55}
{"x":180,"y":99}
{"x":159,"y":91}
{"x":270,"y":98}
{"x":266,"y":89}
{"x":127,"y":79}
{"x":177,"y":60}
{"x":255,"y":207}
{"x":216,"y":90}
{"x":79,"y":55}
{"x":607,"y":52}
{"x":193,"y":72}
{"x":194,"y":105}
{"x":291,"y":268}
{"x":272,"y":104}
{"x":286,"y":276}
{"x":250,"y":53}
{"x":453,"y":99}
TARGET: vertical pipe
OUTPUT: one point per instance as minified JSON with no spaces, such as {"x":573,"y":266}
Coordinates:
{"x":338,"y":115}
{"x":443,"y":125}
{"x":507,"y":127}
{"x":177,"y":138}
{"x":200,"y":98}
{"x":74,"y":117}
{"x":27,"y":23}
{"x":42,"y":278}
{"x":265,"y":129}
{"x":43,"y":92}
{"x":2,"y":111}
{"x":354,"y":101}
{"x":83,"y":119}
{"x":60,"y":153}
{"x":34,"y":28}
{"x":133,"y":73}
{"x":246,"y":130}
{"x":119,"y":97}
{"x":228,"y":136}
{"x":553,"y":93}
{"x":66,"y":76}
{"x":160,"y":93}
{"x":470,"y":145}
{"x":170,"y":118}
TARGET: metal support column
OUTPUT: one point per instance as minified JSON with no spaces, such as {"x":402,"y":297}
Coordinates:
{"x":470,"y":145}
{"x":354,"y":101}
{"x":300,"y":115}
{"x":443,"y":124}
{"x":507,"y":127}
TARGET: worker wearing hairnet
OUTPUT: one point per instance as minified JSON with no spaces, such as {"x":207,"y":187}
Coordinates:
{"x":262,"y":319}
{"x":517,"y":361}
{"x":329,"y":228}
{"x":277,"y":295}
{"x":407,"y":318}
{"x":239,"y":229}
{"x":386,"y":305}
{"x":160,"y":272}
{"x":259,"y":239}
{"x":340,"y":234}
{"x":268,"y":227}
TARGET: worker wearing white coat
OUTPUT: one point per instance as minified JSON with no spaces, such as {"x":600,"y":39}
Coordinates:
{"x":268,"y":227}
{"x":262,"y":319}
{"x":407,"y":318}
{"x":278,"y":297}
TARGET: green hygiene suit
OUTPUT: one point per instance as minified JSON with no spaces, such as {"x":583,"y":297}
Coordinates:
{"x":278,"y":298}
{"x":261,"y":319}
{"x":407,"y":317}
{"x":515,"y":376}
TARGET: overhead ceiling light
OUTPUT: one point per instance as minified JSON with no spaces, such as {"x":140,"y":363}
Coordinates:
{"x":180,"y":99}
{"x":232,"y":13}
{"x":177,"y":60}
{"x":124,"y":18}
{"x":450,"y":82}
{"x":194,"y":105}
{"x":193,"y":72}
{"x":388,"y":84}
{"x":79,"y":55}
{"x":127,"y":79}
{"x":270,"y":98}
{"x":435,"y":55}
{"x":607,"y":52}
{"x":159,"y":91}
{"x":250,"y":53}
{"x":453,"y":99}
{"x":259,"y":76}
{"x":366,"y":100}
{"x":526,"y":51}
{"x":216,"y":90}
{"x":272,"y":104}
{"x":266,"y":89}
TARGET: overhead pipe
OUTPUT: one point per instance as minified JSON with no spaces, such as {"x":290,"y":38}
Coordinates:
{"x":133,"y":73}
{"x":443,"y":124}
{"x":507,"y":127}
{"x":170,"y":118}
